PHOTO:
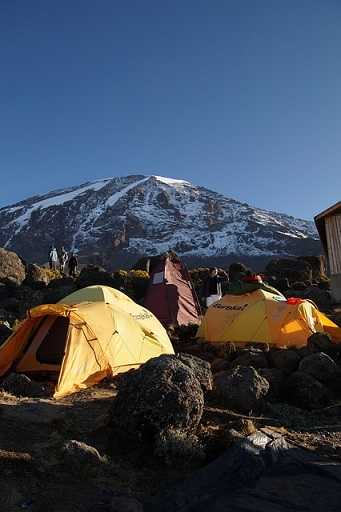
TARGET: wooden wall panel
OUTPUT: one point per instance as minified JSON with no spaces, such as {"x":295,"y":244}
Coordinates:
{"x":333,"y":231}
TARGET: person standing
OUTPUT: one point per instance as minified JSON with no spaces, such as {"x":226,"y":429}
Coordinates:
{"x":73,"y":264}
{"x":213,"y":290}
{"x":53,"y":258}
{"x":63,"y":259}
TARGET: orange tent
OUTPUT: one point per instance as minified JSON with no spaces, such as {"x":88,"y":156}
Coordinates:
{"x":83,"y":344}
{"x":264,"y":317}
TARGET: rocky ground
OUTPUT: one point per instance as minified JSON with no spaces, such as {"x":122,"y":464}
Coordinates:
{"x":183,"y":432}
{"x":118,"y":446}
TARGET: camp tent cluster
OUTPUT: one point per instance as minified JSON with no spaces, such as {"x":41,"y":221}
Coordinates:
{"x":98,"y":331}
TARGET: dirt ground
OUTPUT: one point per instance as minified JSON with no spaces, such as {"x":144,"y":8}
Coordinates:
{"x":37,"y":477}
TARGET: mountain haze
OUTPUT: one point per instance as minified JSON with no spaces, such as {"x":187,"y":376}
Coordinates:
{"x":117,"y":220}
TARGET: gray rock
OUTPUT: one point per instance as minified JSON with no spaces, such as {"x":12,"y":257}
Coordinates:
{"x":251,"y":357}
{"x":81,"y":457}
{"x":323,"y":368}
{"x":293,"y":269}
{"x":56,"y":294}
{"x":201,"y":369}
{"x":275,"y":378}
{"x":284,"y":359}
{"x":163,"y":394}
{"x":306,"y":392}
{"x":12,"y":269}
{"x":220,"y":365}
{"x":176,"y":448}
{"x":36,"y":277}
{"x":62,"y":282}
{"x":92,"y":275}
{"x":320,"y":342}
{"x":242,"y":388}
{"x":322,"y":298}
{"x":18,"y":384}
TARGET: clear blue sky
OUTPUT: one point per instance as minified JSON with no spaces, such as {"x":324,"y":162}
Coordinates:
{"x":241,"y":96}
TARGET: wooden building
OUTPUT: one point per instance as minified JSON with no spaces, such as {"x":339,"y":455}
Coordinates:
{"x":328,"y":224}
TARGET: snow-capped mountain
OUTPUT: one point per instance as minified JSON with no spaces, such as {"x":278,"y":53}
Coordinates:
{"x":145,"y":215}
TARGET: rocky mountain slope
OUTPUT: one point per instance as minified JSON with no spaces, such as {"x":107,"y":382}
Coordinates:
{"x":124,"y":218}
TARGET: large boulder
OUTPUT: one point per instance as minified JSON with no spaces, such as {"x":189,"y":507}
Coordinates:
{"x":284,"y":359}
{"x":58,"y":289}
{"x":92,"y":275}
{"x":317,"y":266}
{"x":23,"y":298}
{"x":12,"y":269}
{"x":306,"y":392}
{"x":322,"y":298}
{"x":201,"y":369}
{"x":323,"y":368}
{"x":320,"y":342}
{"x":242,"y":388}
{"x":293,"y":269}
{"x":36,"y":277}
{"x":251,"y":357}
{"x":162,"y":395}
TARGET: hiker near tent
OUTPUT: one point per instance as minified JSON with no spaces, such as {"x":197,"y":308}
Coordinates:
{"x":53,"y":258}
{"x":213,"y":288}
{"x":63,"y":259}
{"x":73,"y":264}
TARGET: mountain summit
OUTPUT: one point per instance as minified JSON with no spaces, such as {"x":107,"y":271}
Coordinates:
{"x":144,"y":215}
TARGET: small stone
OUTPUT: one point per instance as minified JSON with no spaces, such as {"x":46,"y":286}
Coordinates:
{"x":284,"y":359}
{"x":251,"y":357}
{"x":80,"y":456}
{"x":18,"y":384}
{"x":323,"y":368}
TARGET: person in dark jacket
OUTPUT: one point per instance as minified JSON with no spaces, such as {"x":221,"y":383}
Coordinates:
{"x":213,"y":289}
{"x":73,"y":264}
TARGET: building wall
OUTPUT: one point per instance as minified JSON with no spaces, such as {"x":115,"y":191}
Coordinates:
{"x":333,"y":232}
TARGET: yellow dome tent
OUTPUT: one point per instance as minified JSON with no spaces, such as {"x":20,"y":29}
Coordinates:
{"x":98,"y":293}
{"x":264,"y":317}
{"x":84,"y":343}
